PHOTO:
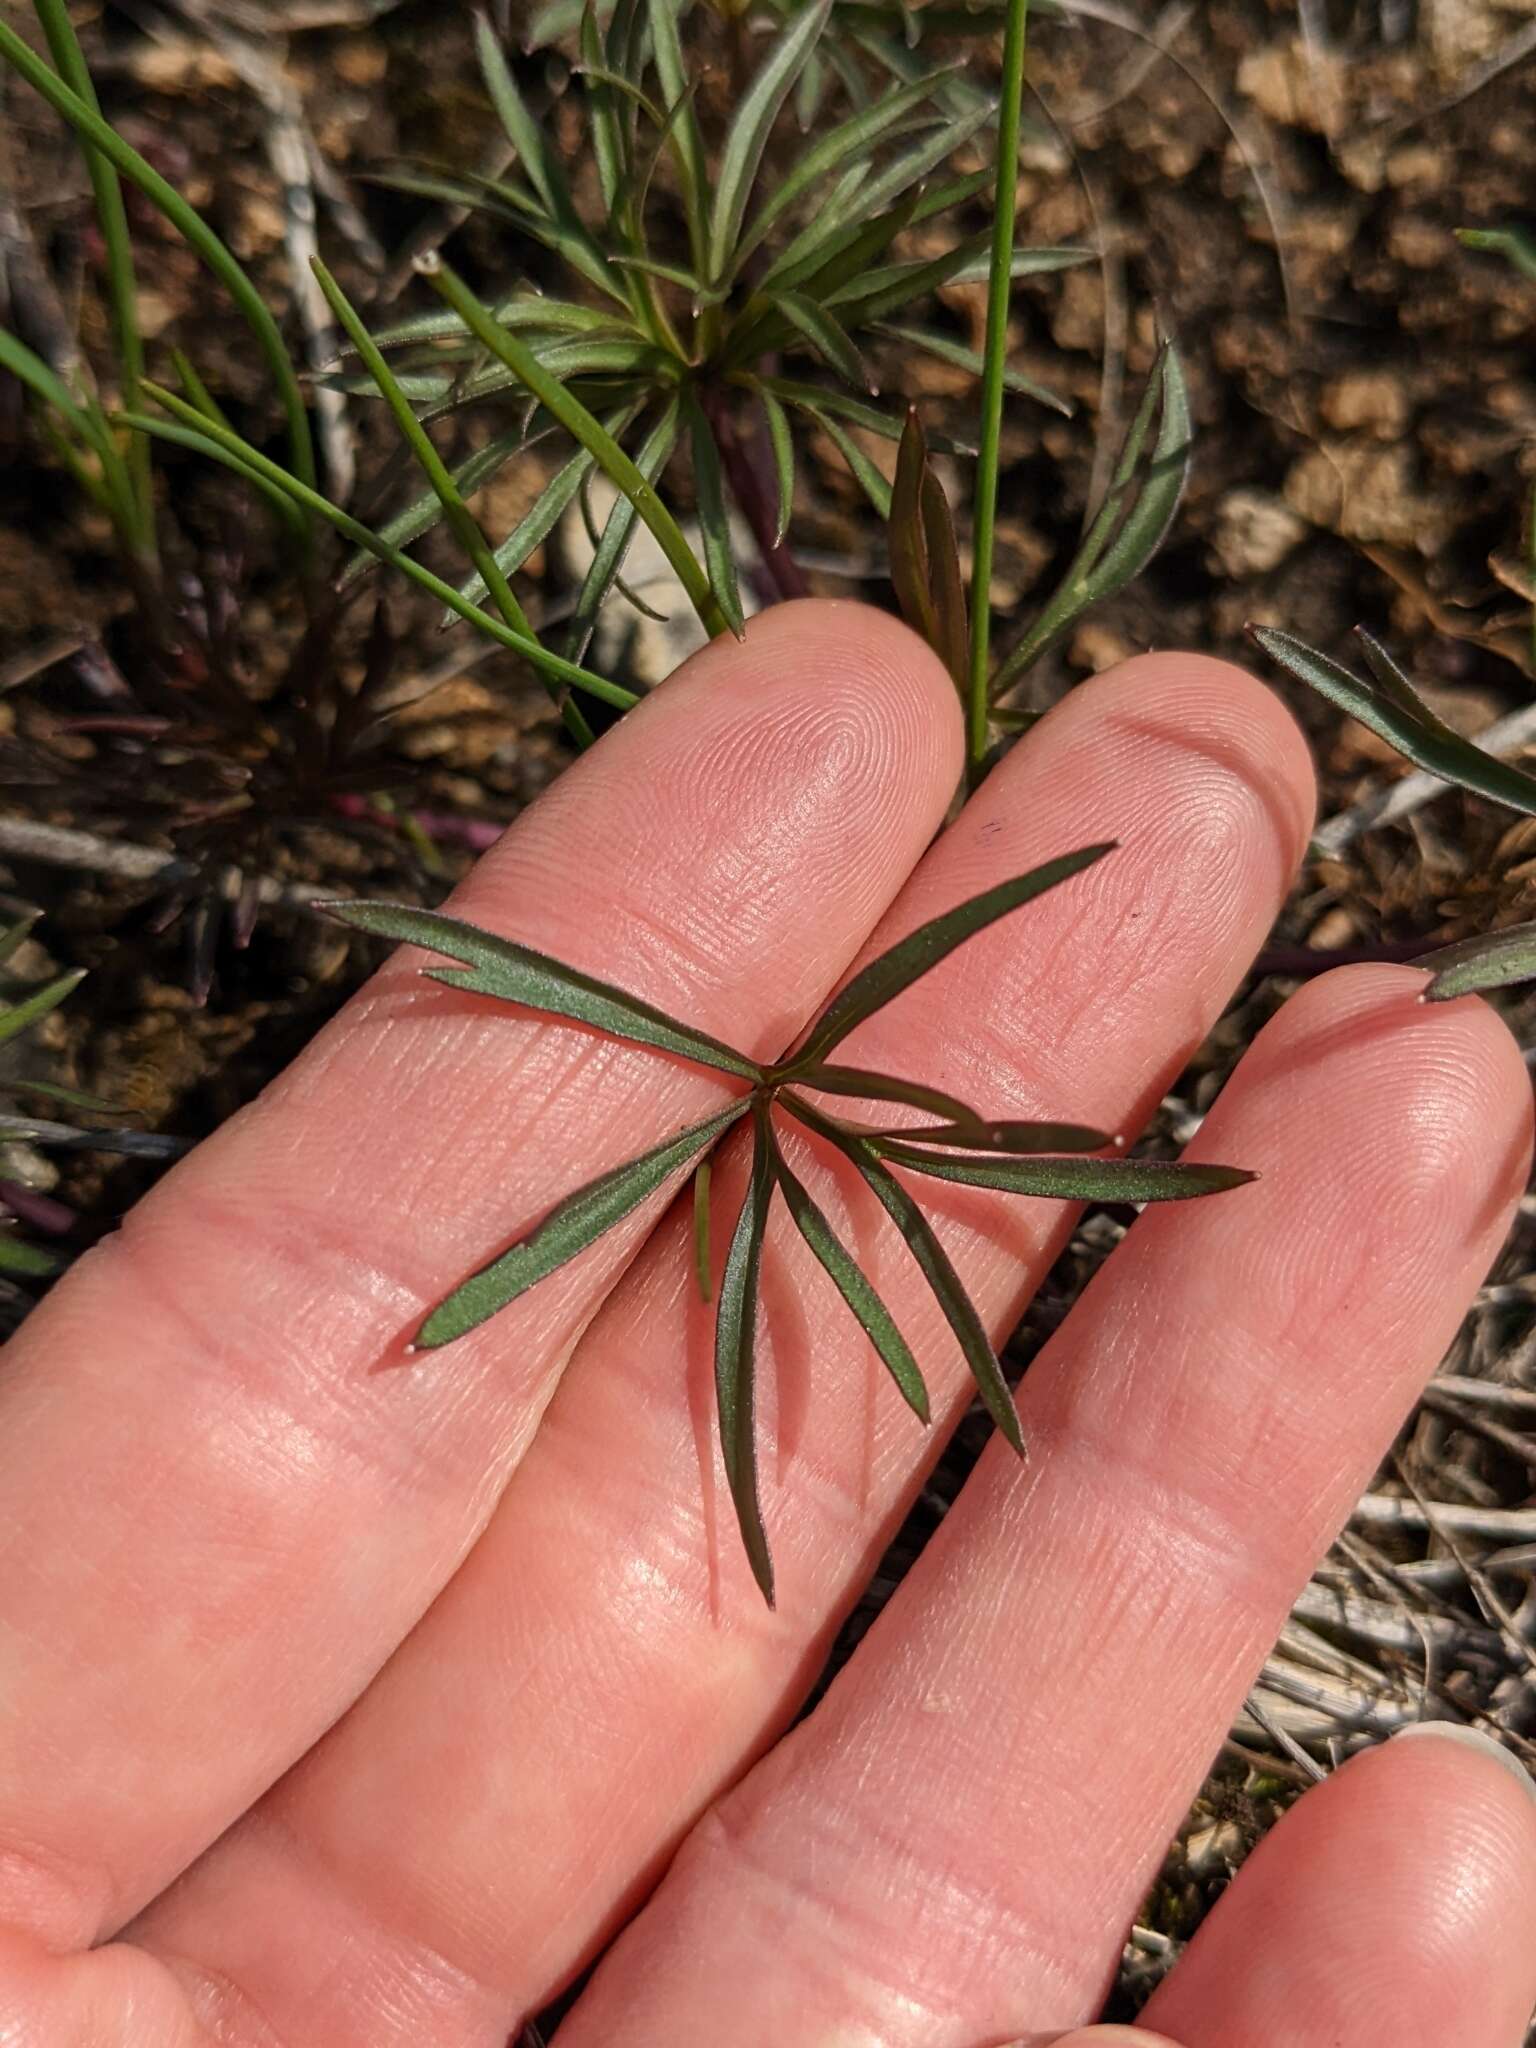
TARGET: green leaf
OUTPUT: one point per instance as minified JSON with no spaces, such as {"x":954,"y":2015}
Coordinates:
{"x":1132,"y":523}
{"x":875,"y":1319}
{"x":573,"y":1224}
{"x":1490,"y":960}
{"x":736,"y":1352}
{"x":534,"y":153}
{"x":1398,"y":715}
{"x":849,"y":143}
{"x":513,"y":973}
{"x":912,"y":957}
{"x":683,"y":136}
{"x":869,"y":1086}
{"x":586,"y":429}
{"x":702,"y":1181}
{"x":521,"y":311}
{"x":539,"y":521}
{"x":72,"y":1098}
{"x":19,"y":1017}
{"x":651,"y":459}
{"x":1026,"y":262}
{"x":946,"y":350}
{"x":714,"y":518}
{"x":1006,"y":1136}
{"x":1515,"y":244}
{"x":1069,"y":1180}
{"x":827,"y":336}
{"x":933,"y":1262}
{"x":782,"y":442}
{"x":28,"y":1260}
{"x":875,"y":487}
{"x":606,"y":129}
{"x":748,"y":134}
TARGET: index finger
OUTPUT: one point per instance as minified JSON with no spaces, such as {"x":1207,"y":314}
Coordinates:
{"x":217,"y":1517}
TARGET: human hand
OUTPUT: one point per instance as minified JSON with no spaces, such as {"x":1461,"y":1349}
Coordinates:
{"x":367,"y":1705}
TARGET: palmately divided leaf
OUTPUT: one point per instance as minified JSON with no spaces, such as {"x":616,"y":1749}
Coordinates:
{"x":933,"y":1262}
{"x":874,"y":1318}
{"x":1400,"y":716}
{"x":1490,"y":960}
{"x":736,"y":1352}
{"x":512,"y":973}
{"x":883,"y":979}
{"x":1070,"y":1180}
{"x":573,"y":1224}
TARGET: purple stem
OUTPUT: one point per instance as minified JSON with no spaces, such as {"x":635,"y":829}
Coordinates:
{"x":748,"y":470}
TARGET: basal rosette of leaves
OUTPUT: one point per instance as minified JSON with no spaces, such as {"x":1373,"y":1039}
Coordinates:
{"x":962,"y":1145}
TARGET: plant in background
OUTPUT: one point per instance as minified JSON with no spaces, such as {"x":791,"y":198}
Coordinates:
{"x":962,"y":1147}
{"x":19,"y":1256}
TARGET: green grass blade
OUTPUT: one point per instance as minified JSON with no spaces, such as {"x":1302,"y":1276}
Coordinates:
{"x":26,"y":1261}
{"x":1516,"y":245}
{"x":122,"y":283}
{"x":1026,"y":262}
{"x":585,"y":428}
{"x":933,"y":1262}
{"x":511,"y":973}
{"x":914,"y":956}
{"x":19,"y":1017}
{"x":189,"y":223}
{"x":906,"y":540}
{"x":538,"y":160}
{"x":993,"y":386}
{"x":423,"y":513}
{"x":1069,"y":1180}
{"x":736,"y":1353}
{"x":573,"y":1224}
{"x":462,"y":522}
{"x":874,"y":1318}
{"x":1490,"y":960}
{"x":250,"y":463}
{"x":748,"y":134}
{"x":714,"y":517}
{"x":1412,"y":728}
{"x":606,"y":129}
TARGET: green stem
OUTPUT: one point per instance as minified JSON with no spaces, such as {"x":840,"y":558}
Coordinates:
{"x":122,"y":285}
{"x":994,"y":368}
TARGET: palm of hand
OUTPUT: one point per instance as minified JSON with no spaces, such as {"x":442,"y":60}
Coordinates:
{"x":450,"y":1659}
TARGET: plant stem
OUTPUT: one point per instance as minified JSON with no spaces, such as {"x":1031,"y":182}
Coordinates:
{"x":999,"y":285}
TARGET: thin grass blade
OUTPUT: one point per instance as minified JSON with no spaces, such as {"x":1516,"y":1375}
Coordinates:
{"x":16,"y":935}
{"x":651,"y":458}
{"x":781,"y":441}
{"x":573,"y":1224}
{"x":914,"y":956}
{"x":19,"y":1017}
{"x":424,"y":512}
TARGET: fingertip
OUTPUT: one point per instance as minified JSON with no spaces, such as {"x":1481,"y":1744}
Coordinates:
{"x":1213,"y":706}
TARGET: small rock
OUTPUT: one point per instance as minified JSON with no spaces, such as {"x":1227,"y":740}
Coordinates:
{"x":1370,"y":399}
{"x":1255,"y":531}
{"x":1366,"y":492}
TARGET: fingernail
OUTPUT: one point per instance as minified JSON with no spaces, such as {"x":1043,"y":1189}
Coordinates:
{"x":1473,"y":1739}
